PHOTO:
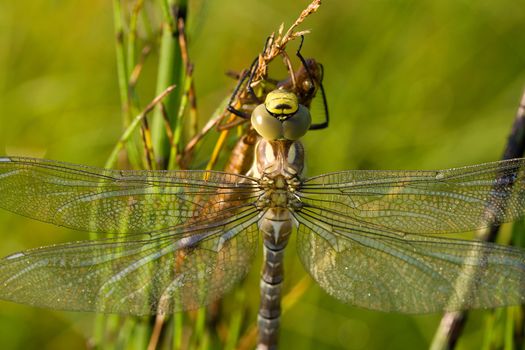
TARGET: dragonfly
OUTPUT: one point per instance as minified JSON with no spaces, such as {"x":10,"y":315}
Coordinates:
{"x":178,"y":240}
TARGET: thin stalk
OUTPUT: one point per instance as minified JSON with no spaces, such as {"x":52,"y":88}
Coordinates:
{"x":177,"y":134}
{"x":155,"y":334}
{"x":205,"y":341}
{"x":178,"y":320}
{"x":148,"y":148}
{"x":99,"y":330}
{"x":235,"y":323}
{"x":452,"y":323}
{"x":489,"y":334}
{"x":132,"y":48}
{"x":123,"y":76}
{"x":509,"y":329}
{"x":125,"y":329}
{"x":105,"y":324}
{"x":165,"y":6}
{"x":122,"y":70}
{"x":169,"y":73}
{"x":141,"y":334}
{"x":192,"y":144}
{"x":200,"y":327}
{"x":132,"y":35}
{"x":146,"y":25}
{"x":112,"y":159}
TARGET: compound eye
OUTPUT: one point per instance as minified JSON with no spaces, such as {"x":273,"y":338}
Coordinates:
{"x":266,"y":124}
{"x":296,"y":126}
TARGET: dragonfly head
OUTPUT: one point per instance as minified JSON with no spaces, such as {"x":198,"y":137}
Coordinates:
{"x":281,"y":117}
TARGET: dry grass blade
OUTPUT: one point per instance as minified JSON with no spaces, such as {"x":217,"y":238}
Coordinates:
{"x":313,"y":7}
{"x":133,"y":125}
{"x":276,"y":45}
{"x":135,"y":73}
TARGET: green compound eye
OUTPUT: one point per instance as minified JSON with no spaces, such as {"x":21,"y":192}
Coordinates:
{"x":273,"y":122}
{"x":280,"y":102}
{"x":266,"y":125}
{"x":297,"y":125}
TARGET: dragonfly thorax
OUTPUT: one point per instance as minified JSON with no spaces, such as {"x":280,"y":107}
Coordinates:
{"x":278,"y":157}
{"x":279,"y":192}
{"x":279,"y":165}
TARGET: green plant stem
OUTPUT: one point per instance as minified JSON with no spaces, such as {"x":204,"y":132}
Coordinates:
{"x":122,"y":69}
{"x":169,"y":73}
{"x":132,"y":49}
{"x":178,"y":319}
{"x":177,"y":135}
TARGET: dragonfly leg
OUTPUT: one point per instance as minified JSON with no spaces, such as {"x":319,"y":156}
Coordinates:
{"x":323,"y":124}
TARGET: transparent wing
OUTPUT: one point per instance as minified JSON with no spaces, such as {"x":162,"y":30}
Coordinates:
{"x":418,"y":202}
{"x":180,"y":269}
{"x":411,"y":273}
{"x":117,"y":201}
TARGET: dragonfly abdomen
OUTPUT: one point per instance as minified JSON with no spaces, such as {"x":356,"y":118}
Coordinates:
{"x":276,"y":227}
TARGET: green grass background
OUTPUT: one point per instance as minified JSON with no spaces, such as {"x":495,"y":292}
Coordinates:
{"x":411,"y":85}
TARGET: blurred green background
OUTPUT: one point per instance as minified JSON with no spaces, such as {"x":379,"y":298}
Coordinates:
{"x":411,"y":85}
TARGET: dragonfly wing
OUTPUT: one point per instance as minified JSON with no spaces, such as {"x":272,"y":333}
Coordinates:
{"x":411,"y":274}
{"x":178,"y":270}
{"x":117,"y":201}
{"x":419,"y":202}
